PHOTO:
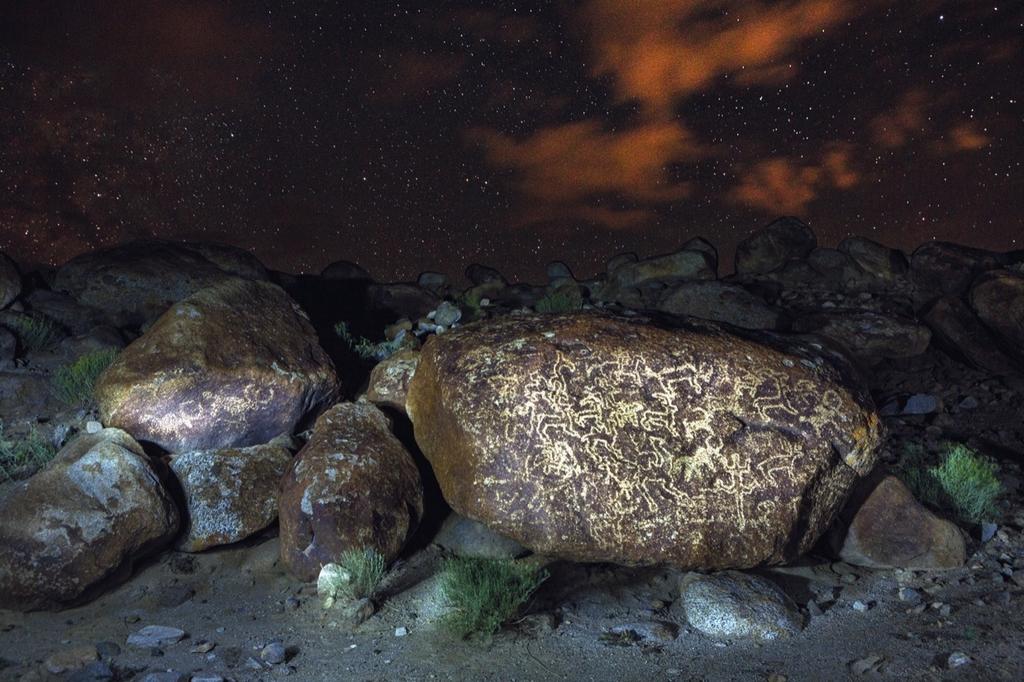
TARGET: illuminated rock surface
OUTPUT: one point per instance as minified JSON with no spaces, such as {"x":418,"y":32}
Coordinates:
{"x":353,"y":486}
{"x":81,"y":520}
{"x":234,"y":365}
{"x":596,"y":438}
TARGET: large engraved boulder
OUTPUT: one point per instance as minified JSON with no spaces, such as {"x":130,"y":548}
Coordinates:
{"x":80,"y":522}
{"x":231,"y":366}
{"x":353,"y":486}
{"x":598,"y":438}
{"x":134,"y":283}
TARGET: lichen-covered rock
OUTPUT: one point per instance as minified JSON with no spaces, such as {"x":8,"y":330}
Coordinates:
{"x":229,"y":494}
{"x":134,"y":283}
{"x":597,"y":438}
{"x":998,"y":299}
{"x":734,"y":605}
{"x":389,"y":379}
{"x":81,"y":521}
{"x":890,"y":529}
{"x":770,"y":247}
{"x":233,"y":365}
{"x":867,"y":335}
{"x":10,"y":281}
{"x":721,"y":302}
{"x":353,"y":486}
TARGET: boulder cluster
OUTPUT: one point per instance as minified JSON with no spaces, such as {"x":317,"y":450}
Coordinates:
{"x":654,"y":414}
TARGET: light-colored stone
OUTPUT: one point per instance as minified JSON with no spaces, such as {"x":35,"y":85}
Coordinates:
{"x":734,"y":605}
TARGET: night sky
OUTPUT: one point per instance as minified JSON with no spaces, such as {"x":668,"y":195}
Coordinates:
{"x":411,"y":136}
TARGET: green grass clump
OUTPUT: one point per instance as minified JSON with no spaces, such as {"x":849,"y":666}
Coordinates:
{"x":485,"y":593}
{"x":20,"y":458}
{"x":73,"y":384}
{"x":366,"y":568}
{"x":366,"y":349}
{"x":964,"y":483}
{"x":561,"y":300}
{"x":35,"y":333}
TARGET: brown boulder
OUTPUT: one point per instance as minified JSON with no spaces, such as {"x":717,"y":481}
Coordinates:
{"x":770,"y":247}
{"x":229,"y":494}
{"x":134,"y":283}
{"x":353,"y":486}
{"x":389,"y":379}
{"x":81,"y":521}
{"x":943,"y":269}
{"x":231,"y":366}
{"x":890,"y":529}
{"x":998,"y":299}
{"x":599,"y":438}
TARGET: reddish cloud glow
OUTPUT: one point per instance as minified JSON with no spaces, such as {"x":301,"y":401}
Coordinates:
{"x":566,"y":170}
{"x":781,"y":185}
{"x":901,"y":124}
{"x":661,"y":49}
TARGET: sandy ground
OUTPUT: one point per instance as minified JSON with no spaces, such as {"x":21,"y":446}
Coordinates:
{"x":239,"y":599}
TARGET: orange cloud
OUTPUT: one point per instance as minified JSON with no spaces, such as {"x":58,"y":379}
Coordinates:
{"x":572,"y":170}
{"x":908,"y":119}
{"x":658,"y":50}
{"x":967,"y":137}
{"x":781,"y":185}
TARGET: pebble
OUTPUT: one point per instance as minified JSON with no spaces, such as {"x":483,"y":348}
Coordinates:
{"x":860,"y":606}
{"x":274,"y":653}
{"x":910,"y":595}
{"x":165,"y":676}
{"x":93,"y":427}
{"x":401,"y":631}
{"x":108,"y":650}
{"x":155,"y":636}
{"x":957,"y":659}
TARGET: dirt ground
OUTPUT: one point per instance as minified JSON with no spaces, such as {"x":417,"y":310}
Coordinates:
{"x":239,"y":598}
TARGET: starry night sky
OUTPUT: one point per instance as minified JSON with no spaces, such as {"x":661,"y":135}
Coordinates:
{"x":411,"y":136}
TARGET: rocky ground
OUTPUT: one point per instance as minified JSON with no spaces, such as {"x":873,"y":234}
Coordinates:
{"x":936,"y":338}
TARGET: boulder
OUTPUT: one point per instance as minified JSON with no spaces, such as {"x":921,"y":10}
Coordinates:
{"x":701,"y":244}
{"x":468,"y":538}
{"x":885,"y":264}
{"x":10,"y":281}
{"x":557,"y":270}
{"x":81,"y":521}
{"x":8,"y":346}
{"x":229,"y":494}
{"x":231,"y":366}
{"x":598,"y":438}
{"x":770,"y":247}
{"x":997,"y":297}
{"x":868,"y":336}
{"x":734,"y":605}
{"x":618,"y":260}
{"x":402,"y":300}
{"x":134,"y":283}
{"x":434,"y":282}
{"x":942,"y":269}
{"x":389,"y":379}
{"x":480,"y":274}
{"x":885,"y":527}
{"x":345,"y":270}
{"x":673,"y":267}
{"x":69,"y":313}
{"x":959,"y":332}
{"x":721,"y":302}
{"x":353,"y":486}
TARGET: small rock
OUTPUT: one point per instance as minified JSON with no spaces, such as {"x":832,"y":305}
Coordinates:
{"x":93,"y":427}
{"x":871,"y":663}
{"x":202,"y":647}
{"x":988,"y":531}
{"x":70,"y":659}
{"x":401,"y":631}
{"x":153,"y":636}
{"x":363,"y":610}
{"x":957,"y":659}
{"x":331,"y":583}
{"x":860,"y":606}
{"x":447,"y":314}
{"x":910,"y":595}
{"x":274,"y":653}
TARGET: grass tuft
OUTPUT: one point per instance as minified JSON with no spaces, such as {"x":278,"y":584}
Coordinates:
{"x":35,"y":333}
{"x":561,"y":300}
{"x":964,"y":483}
{"x":73,"y":384}
{"x":486,"y":593}
{"x":22,"y":457}
{"x":366,"y":349}
{"x":366,"y":568}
